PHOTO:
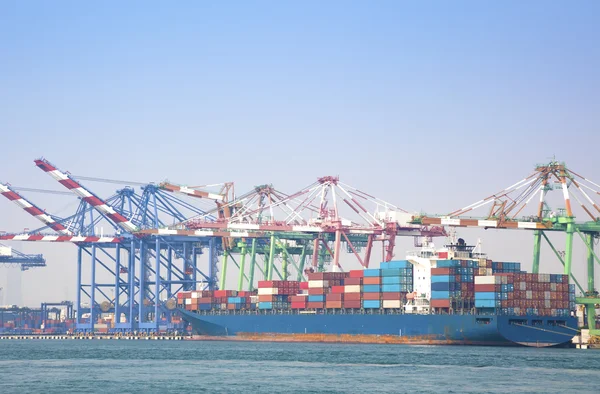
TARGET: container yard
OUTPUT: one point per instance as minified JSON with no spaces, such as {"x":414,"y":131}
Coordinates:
{"x":287,"y":251}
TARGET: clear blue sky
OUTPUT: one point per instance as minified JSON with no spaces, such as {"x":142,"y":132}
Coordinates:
{"x":407,"y":100}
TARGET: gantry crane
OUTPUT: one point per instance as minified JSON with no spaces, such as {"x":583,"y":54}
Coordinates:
{"x":510,"y":209}
{"x":9,"y":256}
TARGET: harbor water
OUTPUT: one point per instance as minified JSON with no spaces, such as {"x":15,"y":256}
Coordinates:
{"x":240,"y":367}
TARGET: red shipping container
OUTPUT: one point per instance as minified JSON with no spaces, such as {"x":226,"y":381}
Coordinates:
{"x":439,"y":303}
{"x":333,"y":297}
{"x":352,"y":296}
{"x":205,"y":300}
{"x":316,"y":291}
{"x":351,"y":304}
{"x":222,"y":293}
{"x":337,"y":289}
{"x":333,"y":304}
{"x":356,"y":273}
{"x":442,"y":255}
{"x":485,"y":288}
{"x":298,"y":298}
{"x":314,"y":305}
{"x":303,"y":285}
{"x":315,"y":276}
{"x":353,"y":281}
{"x":392,"y":296}
{"x":298,"y":305}
{"x":266,"y":298}
{"x":372,"y":280}
{"x":265,"y":284}
{"x":440,"y":271}
{"x":371,"y":296}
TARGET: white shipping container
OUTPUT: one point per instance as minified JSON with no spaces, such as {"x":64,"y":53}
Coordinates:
{"x":268,"y":291}
{"x":547,"y":303}
{"x":318,"y":284}
{"x":547,"y":295}
{"x":553,"y":286}
{"x":522,"y":285}
{"x":188,"y":301}
{"x":253,"y":299}
{"x":529,"y":294}
{"x":196,"y":294}
{"x":485,"y":280}
{"x":392,"y":304}
{"x":352,"y":289}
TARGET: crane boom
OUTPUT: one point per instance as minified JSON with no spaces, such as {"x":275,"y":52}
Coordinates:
{"x":89,"y":197}
{"x":32,"y":209}
{"x":190,"y":192}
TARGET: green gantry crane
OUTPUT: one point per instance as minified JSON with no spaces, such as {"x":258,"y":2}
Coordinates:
{"x":507,"y":209}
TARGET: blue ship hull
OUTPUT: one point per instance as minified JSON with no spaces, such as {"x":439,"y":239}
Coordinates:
{"x":540,"y":331}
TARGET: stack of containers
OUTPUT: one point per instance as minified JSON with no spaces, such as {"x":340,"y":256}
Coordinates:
{"x":371,"y":289}
{"x":524,"y":294}
{"x":241,"y":301}
{"x":221,"y":297}
{"x":353,"y":289}
{"x":300,"y":300}
{"x":443,"y":283}
{"x":335,"y":298}
{"x":274,"y":294}
{"x":396,"y":282}
{"x":489,"y":267}
{"x":452,"y":284}
{"x":320,"y":285}
{"x":196,"y":300}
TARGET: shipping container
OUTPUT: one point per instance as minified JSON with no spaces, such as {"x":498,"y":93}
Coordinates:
{"x":440,"y":294}
{"x":440,"y":303}
{"x":372,"y":280}
{"x":370,"y":304}
{"x":371,"y":273}
{"x":392,"y":304}
{"x":371,"y":296}
{"x":371,"y":288}
{"x":351,"y":304}
{"x":352,"y":289}
{"x":352,"y":296}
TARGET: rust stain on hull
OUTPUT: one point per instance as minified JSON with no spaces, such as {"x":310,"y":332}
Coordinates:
{"x":343,"y":338}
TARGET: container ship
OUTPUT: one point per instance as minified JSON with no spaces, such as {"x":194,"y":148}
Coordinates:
{"x":448,"y":296}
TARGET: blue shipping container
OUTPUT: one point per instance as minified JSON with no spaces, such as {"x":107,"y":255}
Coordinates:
{"x":316,"y":298}
{"x":390,"y":280}
{"x":441,"y":286}
{"x":265,"y":305}
{"x":399,"y":264}
{"x":384,"y":265}
{"x":440,"y":294}
{"x":371,"y":272}
{"x":391,"y":272}
{"x":391,"y":288}
{"x":205,"y":307}
{"x":371,"y":304}
{"x":442,"y":278}
{"x":447,"y":263}
{"x":371,"y":288}
{"x":485,"y":295}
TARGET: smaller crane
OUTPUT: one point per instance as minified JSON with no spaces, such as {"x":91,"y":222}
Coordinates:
{"x":26,"y":261}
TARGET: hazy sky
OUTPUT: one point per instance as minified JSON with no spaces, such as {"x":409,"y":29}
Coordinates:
{"x":429,"y":105}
